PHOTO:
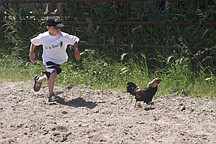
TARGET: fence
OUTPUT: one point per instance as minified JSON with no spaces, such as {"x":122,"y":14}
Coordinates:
{"x":127,"y":22}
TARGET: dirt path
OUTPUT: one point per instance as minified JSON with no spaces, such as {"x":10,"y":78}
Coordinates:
{"x":87,"y":116}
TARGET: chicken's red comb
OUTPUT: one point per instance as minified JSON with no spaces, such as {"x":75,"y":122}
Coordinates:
{"x":157,"y":78}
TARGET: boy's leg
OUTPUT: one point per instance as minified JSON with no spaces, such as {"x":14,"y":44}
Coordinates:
{"x":52,"y":70}
{"x":42,"y":78}
{"x":51,"y":82}
{"x":38,"y":82}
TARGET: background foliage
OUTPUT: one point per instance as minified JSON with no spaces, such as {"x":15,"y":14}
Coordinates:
{"x":189,"y":63}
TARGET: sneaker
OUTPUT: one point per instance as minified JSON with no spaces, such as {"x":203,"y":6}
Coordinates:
{"x":53,"y":98}
{"x":37,"y":85}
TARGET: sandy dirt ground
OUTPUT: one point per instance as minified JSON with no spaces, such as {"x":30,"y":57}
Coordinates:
{"x":88,"y":116}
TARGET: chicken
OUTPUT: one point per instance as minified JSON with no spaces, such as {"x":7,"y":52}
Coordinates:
{"x":144,"y":94}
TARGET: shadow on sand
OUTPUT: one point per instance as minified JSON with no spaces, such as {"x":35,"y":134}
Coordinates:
{"x":77,"y":102}
{"x":149,"y":108}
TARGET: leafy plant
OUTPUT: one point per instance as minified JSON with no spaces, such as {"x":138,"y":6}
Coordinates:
{"x":184,"y":25}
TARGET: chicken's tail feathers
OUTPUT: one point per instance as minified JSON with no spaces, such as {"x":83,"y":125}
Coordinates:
{"x":131,"y":88}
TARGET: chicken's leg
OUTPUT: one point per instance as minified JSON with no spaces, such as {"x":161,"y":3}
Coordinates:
{"x":151,"y":104}
{"x":135,"y":104}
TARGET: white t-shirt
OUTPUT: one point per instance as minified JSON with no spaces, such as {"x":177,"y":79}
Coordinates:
{"x":54,"y":47}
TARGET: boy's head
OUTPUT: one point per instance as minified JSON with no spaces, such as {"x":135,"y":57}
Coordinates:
{"x":54,"y":22}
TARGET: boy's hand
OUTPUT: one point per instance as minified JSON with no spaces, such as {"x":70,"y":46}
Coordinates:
{"x":32,"y":56}
{"x":77,"y":54}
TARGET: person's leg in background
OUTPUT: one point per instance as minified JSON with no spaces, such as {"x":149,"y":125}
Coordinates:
{"x":58,"y":9}
{"x":47,"y":8}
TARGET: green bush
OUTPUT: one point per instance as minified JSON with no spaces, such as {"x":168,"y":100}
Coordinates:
{"x":186,"y":68}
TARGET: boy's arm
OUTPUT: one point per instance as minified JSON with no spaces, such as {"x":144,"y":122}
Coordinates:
{"x":31,"y":52}
{"x":76,"y":51}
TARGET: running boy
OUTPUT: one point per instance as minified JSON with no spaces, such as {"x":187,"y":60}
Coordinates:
{"x":54,"y":43}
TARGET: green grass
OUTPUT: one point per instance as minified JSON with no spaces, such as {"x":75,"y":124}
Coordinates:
{"x":15,"y":69}
{"x":108,"y":74}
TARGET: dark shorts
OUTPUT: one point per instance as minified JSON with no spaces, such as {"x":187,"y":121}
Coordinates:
{"x":50,"y":66}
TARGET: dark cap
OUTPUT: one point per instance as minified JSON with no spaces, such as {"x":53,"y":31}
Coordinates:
{"x":55,"y":22}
